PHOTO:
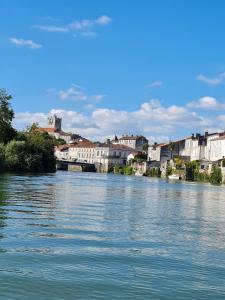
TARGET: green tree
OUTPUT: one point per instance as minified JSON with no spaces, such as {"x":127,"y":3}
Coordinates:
{"x":2,"y":157}
{"x":15,"y":153}
{"x":41,"y":143}
{"x":7,"y":132}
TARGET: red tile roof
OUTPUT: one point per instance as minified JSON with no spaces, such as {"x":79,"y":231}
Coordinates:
{"x":46,"y":129}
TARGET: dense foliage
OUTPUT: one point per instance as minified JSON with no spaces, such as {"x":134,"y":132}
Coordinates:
{"x":139,"y":158}
{"x":194,"y":173}
{"x":169,"y":171}
{"x":7,"y":132}
{"x":153,"y":172}
{"x":127,"y":170}
{"x":216,"y":175}
{"x":28,"y":151}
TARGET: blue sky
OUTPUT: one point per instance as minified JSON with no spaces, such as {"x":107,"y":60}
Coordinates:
{"x":148,"y":67}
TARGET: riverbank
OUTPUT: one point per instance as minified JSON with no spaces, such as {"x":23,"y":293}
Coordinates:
{"x":191,"y":172}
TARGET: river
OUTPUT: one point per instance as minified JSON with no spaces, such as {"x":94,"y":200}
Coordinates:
{"x":97,"y":236}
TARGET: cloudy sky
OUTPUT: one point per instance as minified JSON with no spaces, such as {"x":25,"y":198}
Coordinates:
{"x":114,"y":67}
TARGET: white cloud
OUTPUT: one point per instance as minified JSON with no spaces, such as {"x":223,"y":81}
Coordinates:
{"x":206,"y":102}
{"x":98,"y":97}
{"x":27,"y":43}
{"x":212,"y":81}
{"x":74,"y":93}
{"x":24,"y":119}
{"x":152,"y":119}
{"x":82,"y":27}
{"x":103,"y":20}
{"x":88,"y":34}
{"x":156,"y":83}
{"x":52,"y":28}
{"x":89,"y":106}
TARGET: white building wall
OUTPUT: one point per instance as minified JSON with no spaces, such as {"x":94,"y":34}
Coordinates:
{"x":208,"y":146}
{"x":101,"y":156}
{"x":154,"y":153}
{"x":59,"y":154}
{"x":216,"y":149}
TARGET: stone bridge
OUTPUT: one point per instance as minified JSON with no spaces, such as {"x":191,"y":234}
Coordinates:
{"x":75,"y":166}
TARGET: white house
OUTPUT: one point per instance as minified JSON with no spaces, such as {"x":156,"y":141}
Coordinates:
{"x":133,"y":141}
{"x":207,"y":147}
{"x":216,"y":148}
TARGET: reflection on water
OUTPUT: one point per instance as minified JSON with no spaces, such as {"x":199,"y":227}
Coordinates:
{"x":93,"y":236}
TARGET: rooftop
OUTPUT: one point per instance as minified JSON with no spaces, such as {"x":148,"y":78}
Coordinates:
{"x":131,"y":137}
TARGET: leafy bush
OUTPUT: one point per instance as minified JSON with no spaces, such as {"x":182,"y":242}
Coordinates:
{"x":201,"y":176}
{"x":178,"y":162}
{"x":118,"y":169}
{"x":15,"y":153}
{"x":191,"y":168}
{"x":193,"y":172}
{"x":33,"y":152}
{"x":169,"y":171}
{"x":153,"y":172}
{"x":2,"y":157}
{"x":216,"y":175}
{"x":128,"y":170}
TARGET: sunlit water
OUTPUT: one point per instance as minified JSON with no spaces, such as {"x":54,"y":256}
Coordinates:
{"x":95,"y":236}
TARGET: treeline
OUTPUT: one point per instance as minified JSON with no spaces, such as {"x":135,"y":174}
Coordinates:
{"x":27,"y":151}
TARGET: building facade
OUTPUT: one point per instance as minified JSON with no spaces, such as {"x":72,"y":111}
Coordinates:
{"x":207,"y":147}
{"x":104,"y":156}
{"x":137,"y":142}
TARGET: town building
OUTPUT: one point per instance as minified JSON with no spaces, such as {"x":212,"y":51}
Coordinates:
{"x":104,"y":156}
{"x":206,"y":147}
{"x":137,"y":142}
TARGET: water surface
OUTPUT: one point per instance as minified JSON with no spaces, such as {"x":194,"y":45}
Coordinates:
{"x":94,"y":236}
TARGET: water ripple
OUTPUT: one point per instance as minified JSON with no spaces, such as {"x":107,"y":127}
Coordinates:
{"x":94,"y":236}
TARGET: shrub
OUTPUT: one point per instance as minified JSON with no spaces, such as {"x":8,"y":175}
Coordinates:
{"x":153,"y":172}
{"x":216,"y":175}
{"x":2,"y":157}
{"x":118,"y":169}
{"x":15,"y":153}
{"x":191,"y":168}
{"x":169,"y":171}
{"x":128,"y":170}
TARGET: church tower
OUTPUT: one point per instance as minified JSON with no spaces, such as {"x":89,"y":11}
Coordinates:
{"x":55,"y":122}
